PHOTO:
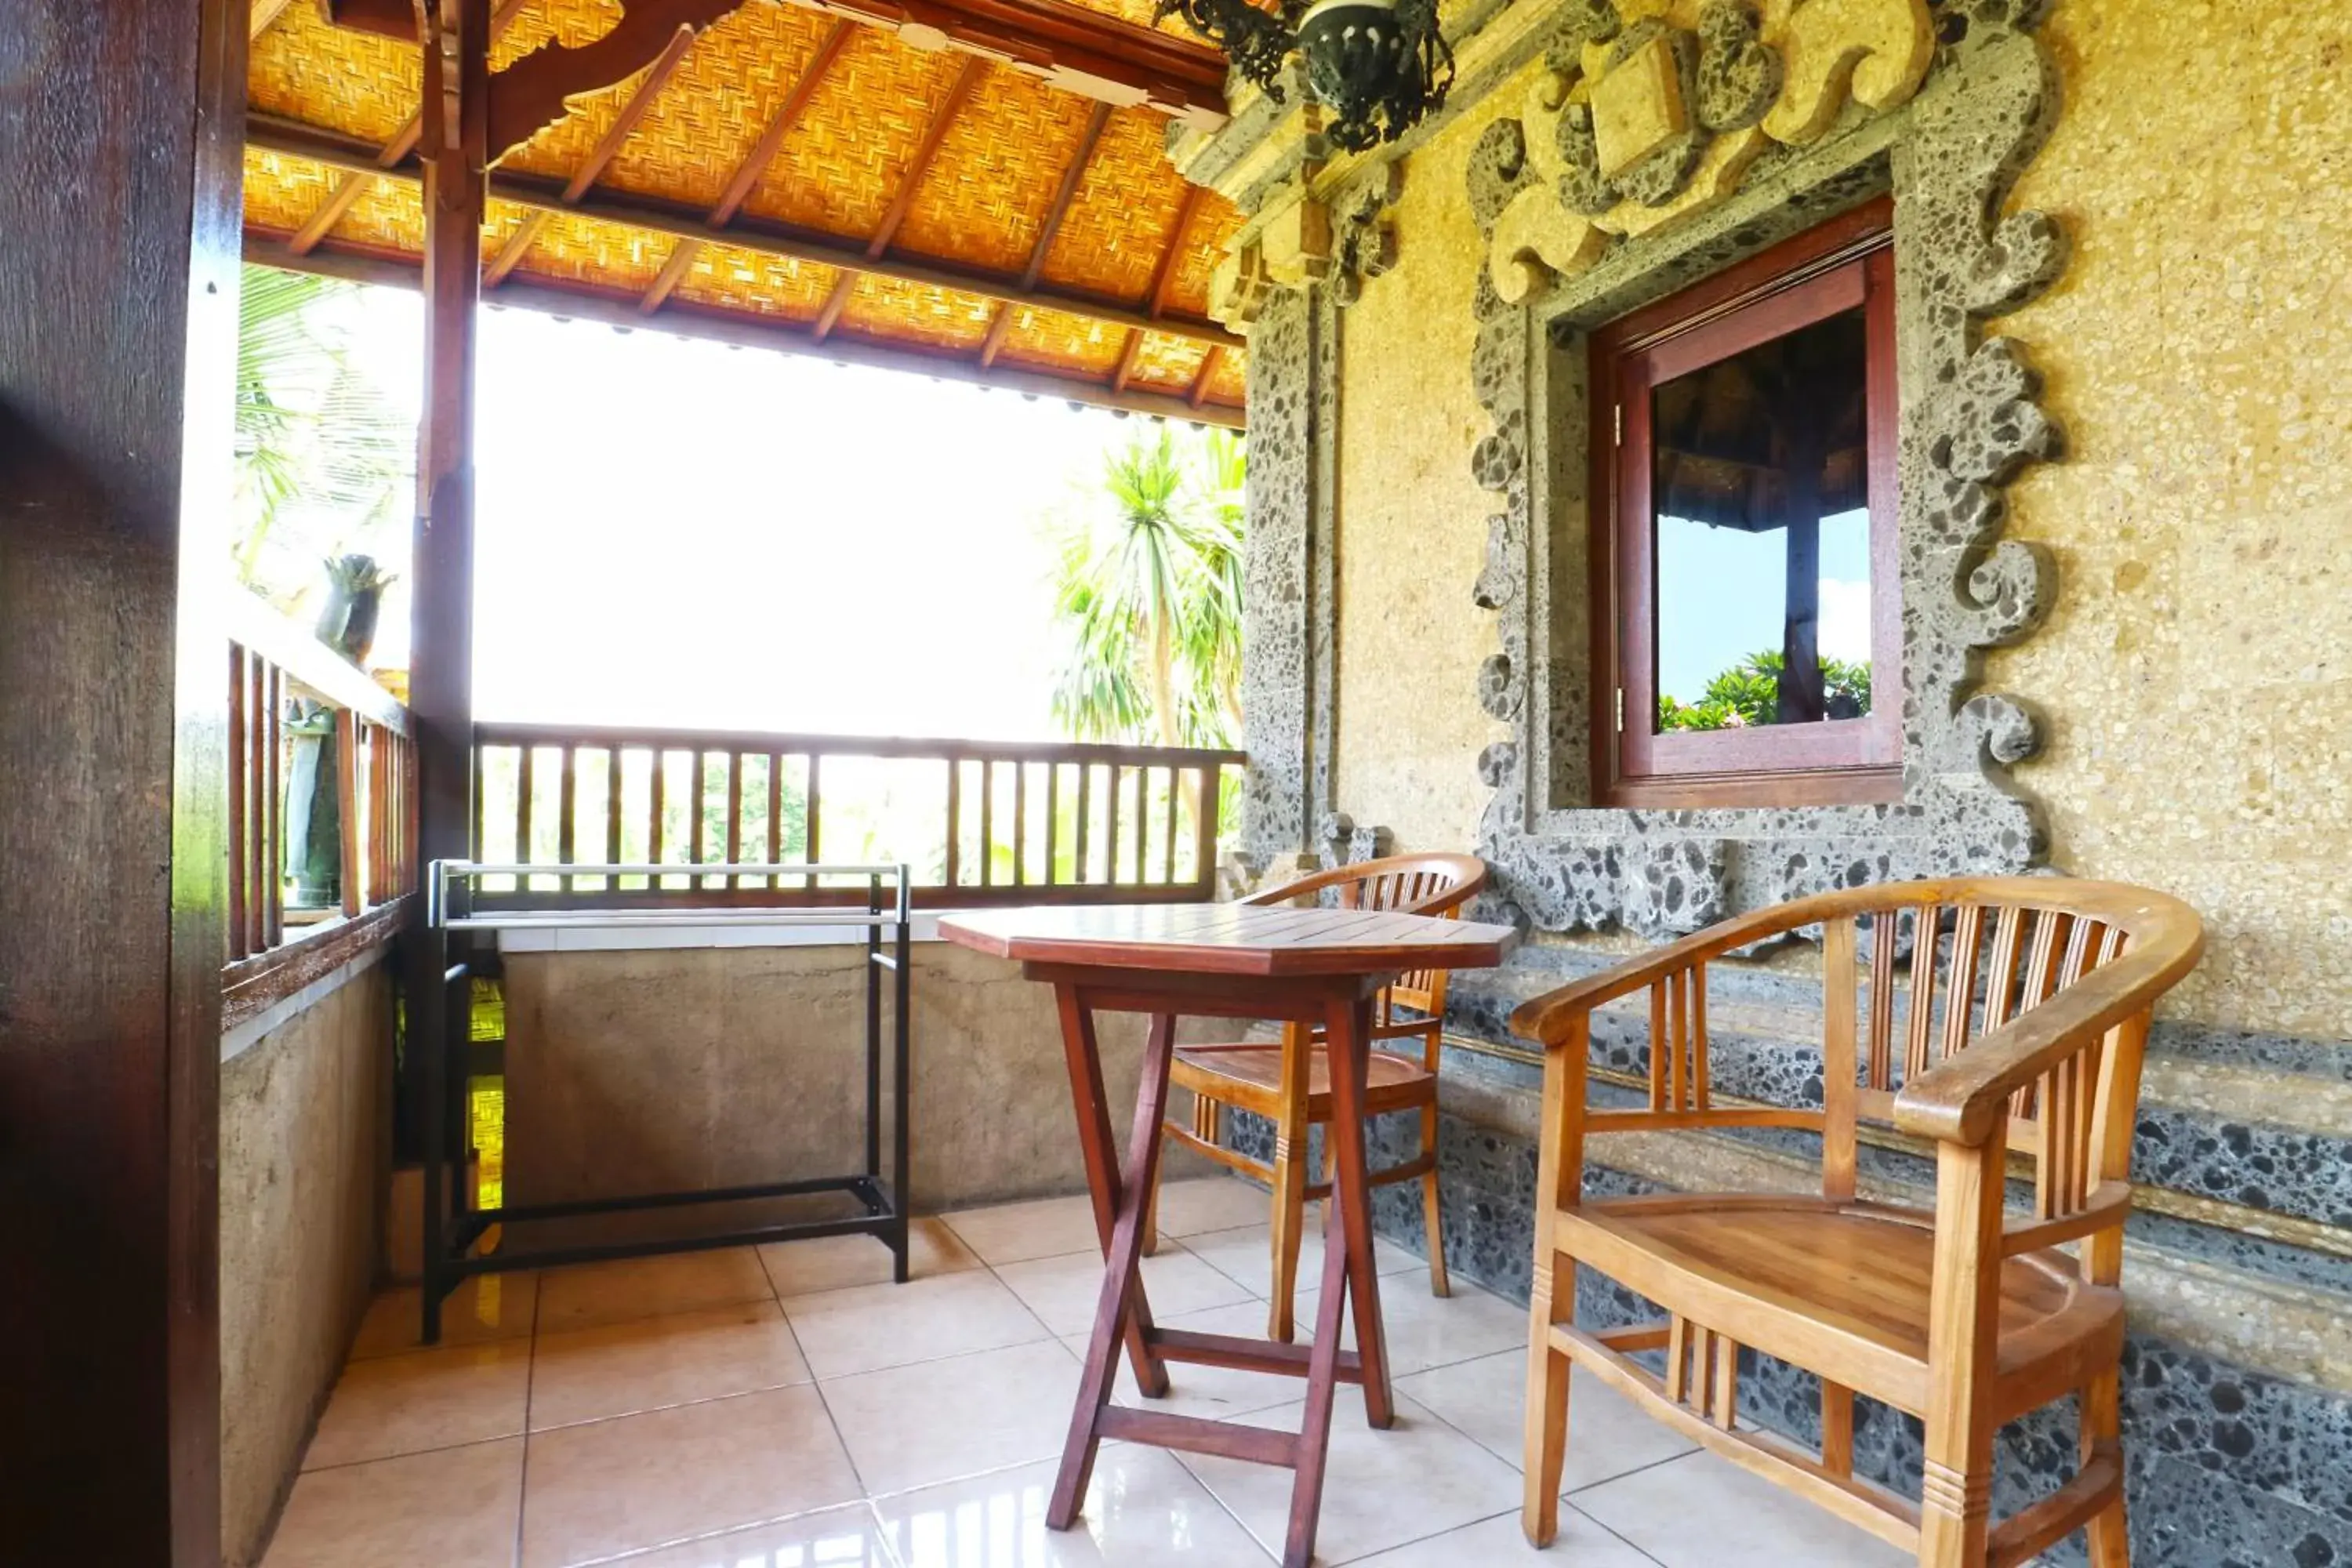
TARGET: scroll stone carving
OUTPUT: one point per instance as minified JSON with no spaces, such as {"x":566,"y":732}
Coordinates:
{"x":1951,"y":142}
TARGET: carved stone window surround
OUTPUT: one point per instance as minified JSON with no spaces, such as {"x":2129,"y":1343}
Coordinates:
{"x":1968,"y":422}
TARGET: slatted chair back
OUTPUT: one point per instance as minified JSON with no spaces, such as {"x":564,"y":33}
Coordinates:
{"x":1439,"y":884}
{"x":1918,"y":974}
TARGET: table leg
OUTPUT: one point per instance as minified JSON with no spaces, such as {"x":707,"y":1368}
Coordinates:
{"x":1348,"y":1026}
{"x":1119,"y":1200}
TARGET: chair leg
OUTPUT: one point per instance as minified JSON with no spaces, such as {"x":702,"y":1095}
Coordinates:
{"x":1288,"y":1224}
{"x":1546,"y":1449}
{"x":2110,"y":1543}
{"x":1151,"y":1216}
{"x":1431,"y":1219}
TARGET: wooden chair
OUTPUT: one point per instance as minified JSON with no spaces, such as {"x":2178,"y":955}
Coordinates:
{"x":1292,"y":1088}
{"x":1965,"y":1316}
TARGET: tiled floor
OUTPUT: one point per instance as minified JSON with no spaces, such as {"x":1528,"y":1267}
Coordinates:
{"x":789,"y":1408}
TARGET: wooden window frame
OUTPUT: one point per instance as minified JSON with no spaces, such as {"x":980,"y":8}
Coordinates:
{"x":1845,"y":262}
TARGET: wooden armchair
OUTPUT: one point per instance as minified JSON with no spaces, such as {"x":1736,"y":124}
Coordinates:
{"x":1965,"y":1316}
{"x":1290,"y":1085}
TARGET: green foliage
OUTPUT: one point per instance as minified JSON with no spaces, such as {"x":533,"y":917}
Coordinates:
{"x":1748,"y":693}
{"x":325,"y":464}
{"x":1148,"y":588}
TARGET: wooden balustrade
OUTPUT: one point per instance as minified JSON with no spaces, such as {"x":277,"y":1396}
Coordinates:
{"x":278,"y":676}
{"x":979,"y":822}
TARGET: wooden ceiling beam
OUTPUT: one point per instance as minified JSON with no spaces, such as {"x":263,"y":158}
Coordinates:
{"x":270,"y":133}
{"x":755,"y":166}
{"x":1063,"y":44}
{"x":591,"y":168}
{"x":1209,"y":364}
{"x":349,"y":188}
{"x":265,"y":12}
{"x":1063,"y":194}
{"x":587,"y":303}
{"x":530,"y":94}
{"x":1163,"y":277}
{"x":902,"y":202}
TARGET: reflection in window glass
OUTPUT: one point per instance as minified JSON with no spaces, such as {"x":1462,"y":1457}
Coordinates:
{"x":1762,"y":534}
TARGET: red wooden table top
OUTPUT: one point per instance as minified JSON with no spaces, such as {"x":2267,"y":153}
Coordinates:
{"x":1228,"y":939}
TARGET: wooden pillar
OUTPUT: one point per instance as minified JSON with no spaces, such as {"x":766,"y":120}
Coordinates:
{"x":453,"y":144}
{"x":119,"y":267}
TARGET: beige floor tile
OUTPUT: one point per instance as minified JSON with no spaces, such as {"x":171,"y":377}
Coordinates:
{"x":591,"y":1293}
{"x":1581,"y":1543}
{"x":942,"y":1420}
{"x":1382,"y":1490}
{"x":649,"y":1363}
{"x":1246,"y":1254}
{"x":1214,"y":1393}
{"x":425,"y":1399}
{"x":1702,"y":1512}
{"x":1065,"y":1291}
{"x":1608,"y":1435}
{"x":838,"y":1262}
{"x":485,"y":1308}
{"x":1143,"y":1509}
{"x":606,"y":1487}
{"x":1013,"y":1233}
{"x":844,"y":1332}
{"x":831,"y":1538}
{"x":454,"y":1508}
{"x":1210,"y":1203}
{"x":1422,"y":1331}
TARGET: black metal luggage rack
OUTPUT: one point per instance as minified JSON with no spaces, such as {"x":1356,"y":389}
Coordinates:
{"x":453,"y":1226}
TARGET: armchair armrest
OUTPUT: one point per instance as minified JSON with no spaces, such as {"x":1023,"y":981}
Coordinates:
{"x":1547,"y":1017}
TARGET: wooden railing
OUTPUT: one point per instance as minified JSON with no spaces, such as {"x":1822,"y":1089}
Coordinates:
{"x":280,"y":676}
{"x":978,"y":822}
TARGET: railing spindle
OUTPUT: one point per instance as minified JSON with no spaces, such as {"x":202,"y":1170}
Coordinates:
{"x":987,"y":822}
{"x":567,"y":809}
{"x":813,"y":817}
{"x":654,"y":837}
{"x":1053,"y":822}
{"x":239,"y":930}
{"x":1086,"y":792}
{"x":525,"y":779}
{"x":1168,"y":847}
{"x":1142,"y":817}
{"x":1020,"y":824}
{"x":955,"y":822}
{"x":734,"y":814}
{"x":274,"y":887}
{"x":697,"y":799}
{"x":1111,"y":830}
{"x":347,"y":802}
{"x":1204,"y":828}
{"x":612,"y":811}
{"x":776,"y":811}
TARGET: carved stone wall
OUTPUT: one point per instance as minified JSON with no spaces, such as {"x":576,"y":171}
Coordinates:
{"x":1568,"y":192}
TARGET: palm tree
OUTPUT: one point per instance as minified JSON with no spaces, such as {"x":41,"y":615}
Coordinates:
{"x":1148,"y":588}
{"x":317,"y":440}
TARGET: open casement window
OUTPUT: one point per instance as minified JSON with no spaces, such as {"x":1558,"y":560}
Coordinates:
{"x":1747,"y":631}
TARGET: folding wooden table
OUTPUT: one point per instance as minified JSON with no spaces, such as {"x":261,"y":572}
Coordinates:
{"x":1221,"y":960}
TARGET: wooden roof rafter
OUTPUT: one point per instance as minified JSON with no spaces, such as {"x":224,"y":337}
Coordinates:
{"x":748,"y":173}
{"x":902,"y":201}
{"x":268,"y":133}
{"x":1163,"y":275}
{"x":349,"y":187}
{"x":264,"y":15}
{"x":1055,"y":211}
{"x":1207,"y":374}
{"x":1080,"y":50}
{"x":608,"y":147}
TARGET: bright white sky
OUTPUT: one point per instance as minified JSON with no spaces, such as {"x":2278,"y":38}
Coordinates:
{"x":681,"y":534}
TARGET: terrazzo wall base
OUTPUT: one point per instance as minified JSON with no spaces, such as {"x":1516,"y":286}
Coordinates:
{"x":306,"y":1116}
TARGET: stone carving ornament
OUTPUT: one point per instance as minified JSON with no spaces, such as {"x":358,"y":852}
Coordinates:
{"x":1664,"y":139}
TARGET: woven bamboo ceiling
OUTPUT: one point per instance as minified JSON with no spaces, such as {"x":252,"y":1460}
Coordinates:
{"x":969,"y":188}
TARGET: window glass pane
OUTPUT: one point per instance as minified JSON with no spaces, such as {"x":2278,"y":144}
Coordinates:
{"x":1761,"y":533}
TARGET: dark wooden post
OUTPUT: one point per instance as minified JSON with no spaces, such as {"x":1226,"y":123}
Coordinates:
{"x":453,"y":140}
{"x":119,"y":244}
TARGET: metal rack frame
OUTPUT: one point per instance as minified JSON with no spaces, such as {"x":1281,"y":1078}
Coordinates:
{"x":451,"y":1231}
